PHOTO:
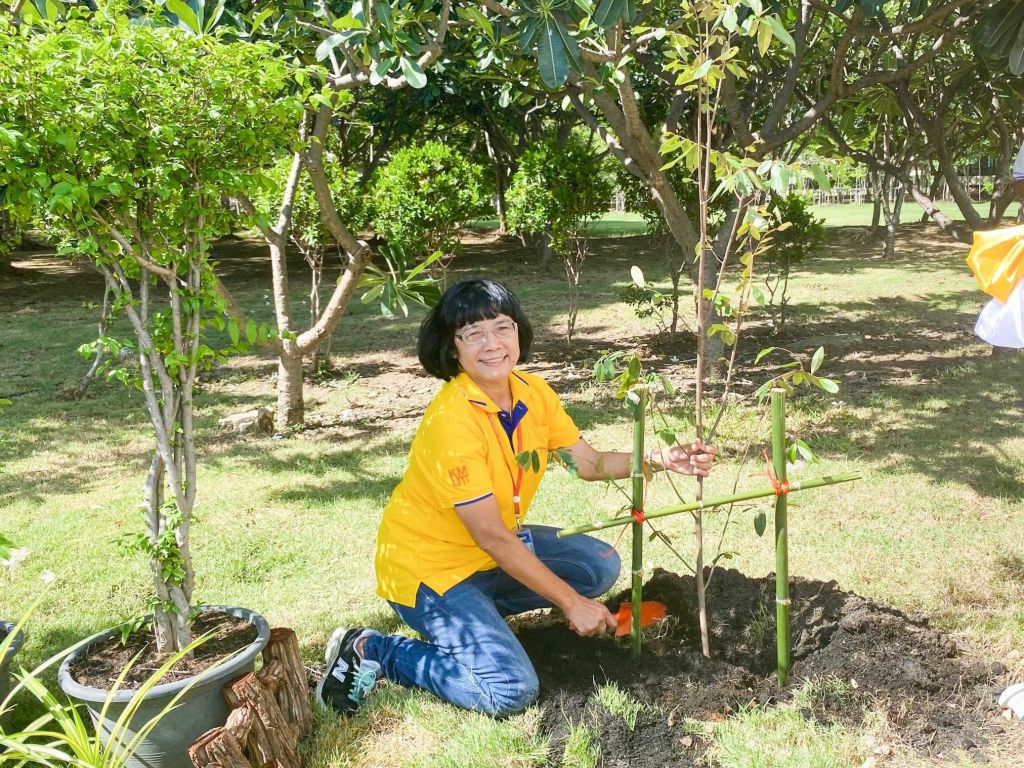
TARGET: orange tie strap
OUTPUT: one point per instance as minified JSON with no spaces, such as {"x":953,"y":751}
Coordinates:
{"x":781,"y":488}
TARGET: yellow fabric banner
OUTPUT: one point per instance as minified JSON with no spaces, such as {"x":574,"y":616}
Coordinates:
{"x":997,"y":260}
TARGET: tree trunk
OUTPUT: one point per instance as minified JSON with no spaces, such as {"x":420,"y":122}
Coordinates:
{"x":876,"y":193}
{"x":544,"y":246}
{"x":8,"y":241}
{"x":290,"y":404}
{"x":933,"y":192}
{"x":500,"y":187}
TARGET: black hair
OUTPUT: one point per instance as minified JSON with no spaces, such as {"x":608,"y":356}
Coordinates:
{"x":463,"y":303}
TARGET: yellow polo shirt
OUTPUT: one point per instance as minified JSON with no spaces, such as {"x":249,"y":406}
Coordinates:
{"x":462,"y":454}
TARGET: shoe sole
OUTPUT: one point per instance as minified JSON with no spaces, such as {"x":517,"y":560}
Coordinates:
{"x":331,"y":654}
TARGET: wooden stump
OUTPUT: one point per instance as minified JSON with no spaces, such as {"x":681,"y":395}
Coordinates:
{"x":218,"y":749}
{"x":282,"y":659}
{"x":270,"y":713}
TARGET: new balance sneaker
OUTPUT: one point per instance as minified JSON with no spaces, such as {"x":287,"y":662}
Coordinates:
{"x":349,"y":677}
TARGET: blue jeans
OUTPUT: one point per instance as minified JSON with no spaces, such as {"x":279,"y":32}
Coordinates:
{"x":471,"y":658}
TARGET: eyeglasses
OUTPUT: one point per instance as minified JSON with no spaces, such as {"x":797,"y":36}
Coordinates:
{"x":478,"y":336}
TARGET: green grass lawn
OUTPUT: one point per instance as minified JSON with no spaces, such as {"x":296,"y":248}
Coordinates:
{"x":286,"y":526}
{"x":840,"y":215}
{"x":859,"y":214}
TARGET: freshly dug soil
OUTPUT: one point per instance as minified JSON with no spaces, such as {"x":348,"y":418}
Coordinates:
{"x":940,"y":700}
{"x":106,"y":660}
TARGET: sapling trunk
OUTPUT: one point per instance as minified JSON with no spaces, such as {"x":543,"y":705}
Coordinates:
{"x":781,"y":536}
{"x":637,"y":475}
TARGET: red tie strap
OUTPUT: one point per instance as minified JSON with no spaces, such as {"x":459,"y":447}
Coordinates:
{"x":781,"y":488}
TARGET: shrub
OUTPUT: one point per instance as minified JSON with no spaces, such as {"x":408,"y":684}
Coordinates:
{"x":559,"y":188}
{"x":424,"y":195}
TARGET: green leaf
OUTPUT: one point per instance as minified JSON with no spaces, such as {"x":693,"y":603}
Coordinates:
{"x":760,"y":522}
{"x":233,"y":331}
{"x":551,"y":56}
{"x":805,"y":451}
{"x":1016,"y":58}
{"x":251,"y":331}
{"x":764,"y":37}
{"x":536,"y":461}
{"x":186,"y":16}
{"x":668,"y":386}
{"x":469,"y":12}
{"x":763,"y":353}
{"x":324,"y":49}
{"x":383,"y":10}
{"x":572,"y":48}
{"x":780,"y":32}
{"x":729,"y":18}
{"x":828,"y":385}
{"x":259,"y":18}
{"x":819,"y":357}
{"x":348,"y":23}
{"x":414,"y":74}
{"x":633,"y":368}
{"x":824,"y":182}
{"x":215,"y":17}
{"x":609,"y":12}
{"x":667,"y":436}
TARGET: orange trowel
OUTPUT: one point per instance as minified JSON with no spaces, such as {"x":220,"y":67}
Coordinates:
{"x":650,"y":612}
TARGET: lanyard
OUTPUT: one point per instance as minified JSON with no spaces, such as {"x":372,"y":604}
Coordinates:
{"x":517,"y":477}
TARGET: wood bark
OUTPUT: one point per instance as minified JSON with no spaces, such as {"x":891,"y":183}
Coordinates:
{"x":270,"y":713}
{"x":218,"y":749}
{"x":282,"y":655}
{"x":270,"y":737}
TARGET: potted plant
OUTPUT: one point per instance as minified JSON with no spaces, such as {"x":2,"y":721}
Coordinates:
{"x":11,"y":638}
{"x":129,"y":158}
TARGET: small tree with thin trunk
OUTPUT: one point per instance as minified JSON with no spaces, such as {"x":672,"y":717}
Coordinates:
{"x":368,"y":44}
{"x":561,"y":187}
{"x":308,"y":232}
{"x":127,"y":136}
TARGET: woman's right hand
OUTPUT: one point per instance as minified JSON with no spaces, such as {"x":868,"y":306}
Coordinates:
{"x":589,"y":617}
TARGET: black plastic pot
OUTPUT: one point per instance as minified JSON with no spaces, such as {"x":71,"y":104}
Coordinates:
{"x":5,"y":662}
{"x":200,"y":709}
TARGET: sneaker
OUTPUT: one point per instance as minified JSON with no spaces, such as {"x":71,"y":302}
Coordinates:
{"x":349,"y":677}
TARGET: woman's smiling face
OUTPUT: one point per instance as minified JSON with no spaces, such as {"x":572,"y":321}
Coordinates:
{"x":490,"y":361}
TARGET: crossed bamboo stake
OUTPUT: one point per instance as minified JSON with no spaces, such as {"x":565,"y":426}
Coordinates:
{"x":781,"y":488}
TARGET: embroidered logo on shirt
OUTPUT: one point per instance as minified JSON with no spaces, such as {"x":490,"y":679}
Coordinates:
{"x":459,"y":475}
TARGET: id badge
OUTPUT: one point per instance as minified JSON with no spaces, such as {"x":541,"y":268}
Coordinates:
{"x":526,"y":536}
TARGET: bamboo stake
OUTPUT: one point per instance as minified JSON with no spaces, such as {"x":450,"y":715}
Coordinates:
{"x":782,"y":601}
{"x":637,"y":476}
{"x":795,"y":485}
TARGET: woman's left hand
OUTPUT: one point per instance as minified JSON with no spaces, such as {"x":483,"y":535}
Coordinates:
{"x":692,"y":459}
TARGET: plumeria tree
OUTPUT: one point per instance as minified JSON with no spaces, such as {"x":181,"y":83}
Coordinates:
{"x":359,"y":46}
{"x":127,"y":136}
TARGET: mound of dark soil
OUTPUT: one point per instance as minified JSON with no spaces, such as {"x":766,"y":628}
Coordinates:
{"x":938,"y":700}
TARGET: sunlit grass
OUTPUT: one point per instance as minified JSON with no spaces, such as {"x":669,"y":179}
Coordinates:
{"x":286,"y":526}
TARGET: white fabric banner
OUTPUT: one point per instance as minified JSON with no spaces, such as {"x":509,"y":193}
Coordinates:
{"x":1002,"y":325}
